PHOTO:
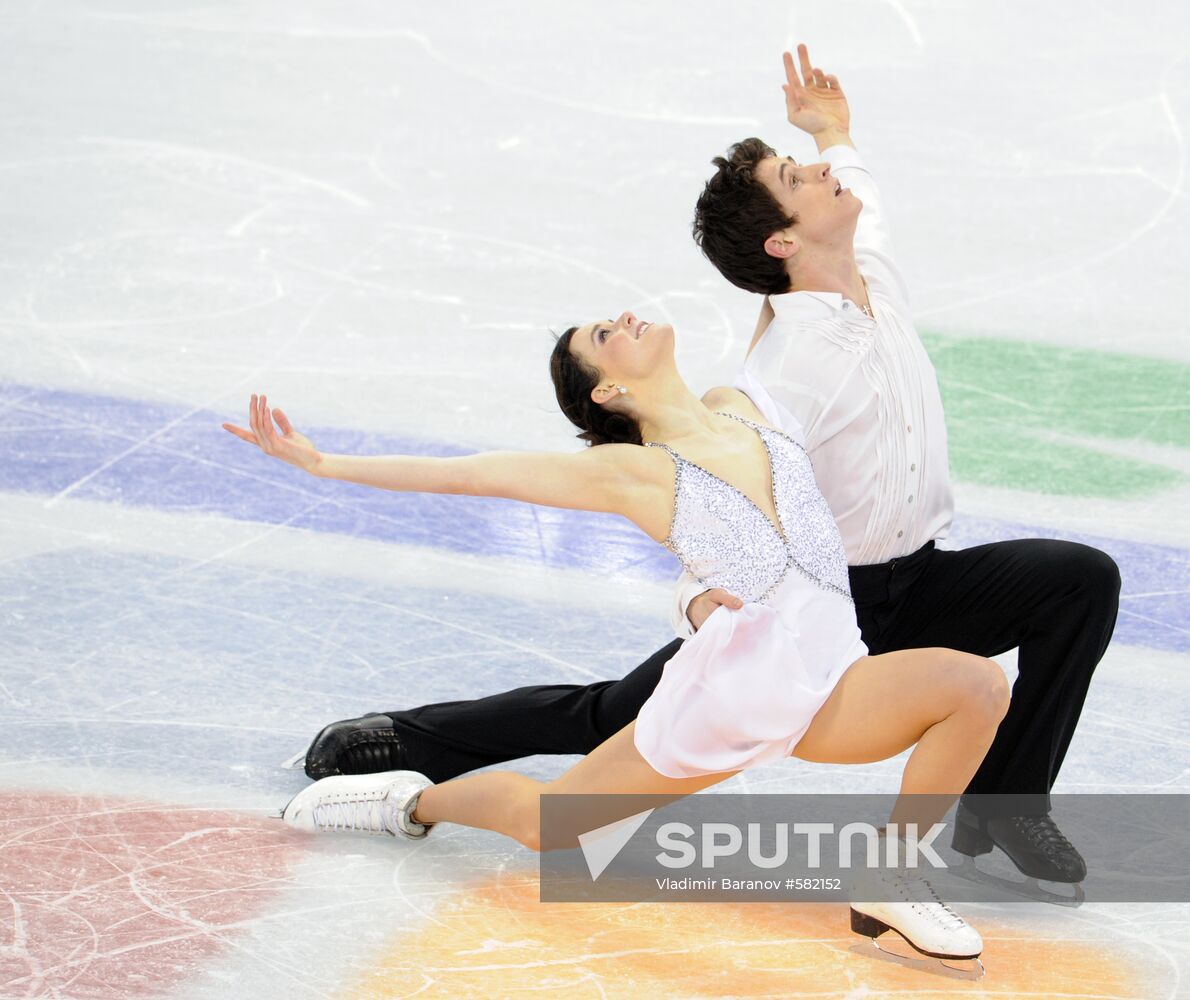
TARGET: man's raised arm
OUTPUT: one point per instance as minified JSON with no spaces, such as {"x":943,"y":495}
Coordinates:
{"x":816,"y":104}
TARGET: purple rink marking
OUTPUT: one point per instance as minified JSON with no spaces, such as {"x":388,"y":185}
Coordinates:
{"x":51,"y":439}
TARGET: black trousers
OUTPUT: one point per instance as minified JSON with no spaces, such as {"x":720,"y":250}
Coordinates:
{"x":1054,"y":600}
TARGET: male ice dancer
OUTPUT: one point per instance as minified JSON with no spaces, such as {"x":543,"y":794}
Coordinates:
{"x":836,"y":352}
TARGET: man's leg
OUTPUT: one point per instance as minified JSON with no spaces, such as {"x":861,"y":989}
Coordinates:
{"x":447,"y":739}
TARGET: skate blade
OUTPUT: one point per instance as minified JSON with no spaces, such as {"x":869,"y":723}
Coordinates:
{"x":1027,"y":887}
{"x":901,"y":952}
{"x":298,"y":760}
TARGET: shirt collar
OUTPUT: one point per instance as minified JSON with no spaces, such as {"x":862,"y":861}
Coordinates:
{"x":804,"y":305}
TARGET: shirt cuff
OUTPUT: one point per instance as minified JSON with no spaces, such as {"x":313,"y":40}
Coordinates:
{"x":688,"y":589}
{"x":843,"y":156}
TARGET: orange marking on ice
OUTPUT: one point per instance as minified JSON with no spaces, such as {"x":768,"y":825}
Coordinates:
{"x":498,"y":940}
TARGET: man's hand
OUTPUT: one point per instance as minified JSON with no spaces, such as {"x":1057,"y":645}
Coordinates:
{"x":701,"y":607}
{"x":815,"y":102}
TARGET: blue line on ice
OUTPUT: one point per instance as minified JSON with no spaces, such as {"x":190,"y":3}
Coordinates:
{"x":51,"y":439}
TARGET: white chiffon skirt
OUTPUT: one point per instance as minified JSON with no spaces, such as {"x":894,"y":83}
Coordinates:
{"x":745,"y":688}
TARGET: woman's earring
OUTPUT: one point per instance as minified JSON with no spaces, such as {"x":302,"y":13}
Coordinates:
{"x":621,"y":390}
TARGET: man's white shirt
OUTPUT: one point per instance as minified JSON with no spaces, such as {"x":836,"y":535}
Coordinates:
{"x":862,"y":396}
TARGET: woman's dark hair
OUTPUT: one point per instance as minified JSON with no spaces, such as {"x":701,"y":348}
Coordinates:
{"x":733,"y":217}
{"x":574,"y":379}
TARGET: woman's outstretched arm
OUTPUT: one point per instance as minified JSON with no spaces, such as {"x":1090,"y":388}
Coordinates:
{"x":616,"y":478}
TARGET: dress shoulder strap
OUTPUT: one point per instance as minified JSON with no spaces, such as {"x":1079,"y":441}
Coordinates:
{"x":760,"y":428}
{"x":743,"y":420}
{"x":661,"y":444}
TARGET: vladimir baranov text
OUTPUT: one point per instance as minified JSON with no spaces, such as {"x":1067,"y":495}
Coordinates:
{"x":746,"y":884}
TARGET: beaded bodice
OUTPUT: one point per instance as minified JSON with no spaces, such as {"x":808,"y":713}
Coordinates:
{"x":725,"y":540}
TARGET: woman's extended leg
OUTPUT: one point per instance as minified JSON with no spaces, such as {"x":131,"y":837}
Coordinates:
{"x":948,"y":703}
{"x":510,"y":803}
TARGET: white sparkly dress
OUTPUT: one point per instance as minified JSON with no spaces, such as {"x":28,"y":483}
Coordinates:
{"x":744,"y":690}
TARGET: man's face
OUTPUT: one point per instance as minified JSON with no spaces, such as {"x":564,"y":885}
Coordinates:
{"x":826,"y":211}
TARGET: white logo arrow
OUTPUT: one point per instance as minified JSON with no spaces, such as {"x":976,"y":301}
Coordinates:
{"x":601,"y":846}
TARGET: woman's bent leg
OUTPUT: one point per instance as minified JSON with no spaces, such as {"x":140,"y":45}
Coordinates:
{"x":509,"y":803}
{"x":948,"y":703}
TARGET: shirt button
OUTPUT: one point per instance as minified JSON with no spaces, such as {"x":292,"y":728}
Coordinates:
{"x":913,"y":467}
{"x":911,"y":498}
{"x":910,"y":428}
{"x":900,"y":533}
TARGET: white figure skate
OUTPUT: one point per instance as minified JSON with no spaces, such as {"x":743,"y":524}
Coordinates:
{"x":381,"y":803}
{"x":905,"y":902}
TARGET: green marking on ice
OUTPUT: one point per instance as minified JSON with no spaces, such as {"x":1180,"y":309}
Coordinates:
{"x":1058,"y":420}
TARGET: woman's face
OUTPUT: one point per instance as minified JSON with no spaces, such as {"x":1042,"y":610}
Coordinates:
{"x":625,"y":350}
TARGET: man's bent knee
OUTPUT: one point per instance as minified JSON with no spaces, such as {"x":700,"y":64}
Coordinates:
{"x":1092,"y":569}
{"x":1097,"y":568}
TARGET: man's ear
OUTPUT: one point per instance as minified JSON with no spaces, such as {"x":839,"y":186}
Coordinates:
{"x":783,"y":244}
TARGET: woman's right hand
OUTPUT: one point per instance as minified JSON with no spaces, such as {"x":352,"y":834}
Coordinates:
{"x":289,"y":445}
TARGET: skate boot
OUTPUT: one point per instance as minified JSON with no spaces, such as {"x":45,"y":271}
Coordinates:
{"x":1034,"y":844}
{"x":363,"y":803}
{"x":355,"y":746}
{"x":902,"y":900}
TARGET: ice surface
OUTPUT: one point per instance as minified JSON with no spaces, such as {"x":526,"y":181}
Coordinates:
{"x":376,"y":213}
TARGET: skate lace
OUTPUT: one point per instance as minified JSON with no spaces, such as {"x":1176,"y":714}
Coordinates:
{"x":365,"y":757}
{"x":370,"y":814}
{"x":1043,"y":834}
{"x":919,"y":890}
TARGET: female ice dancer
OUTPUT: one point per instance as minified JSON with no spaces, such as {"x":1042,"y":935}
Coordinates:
{"x":784,"y":674}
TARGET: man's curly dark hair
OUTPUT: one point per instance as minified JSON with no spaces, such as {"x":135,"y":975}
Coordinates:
{"x":734,"y":216}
